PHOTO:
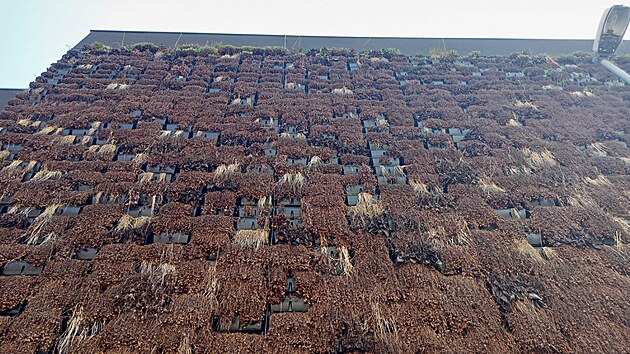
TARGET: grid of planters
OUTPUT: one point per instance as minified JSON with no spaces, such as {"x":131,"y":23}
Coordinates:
{"x":201,"y":199}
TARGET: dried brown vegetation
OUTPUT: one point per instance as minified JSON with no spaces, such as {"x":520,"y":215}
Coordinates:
{"x":398,"y":204}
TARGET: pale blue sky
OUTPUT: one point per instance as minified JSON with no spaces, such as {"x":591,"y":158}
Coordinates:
{"x":35,"y":33}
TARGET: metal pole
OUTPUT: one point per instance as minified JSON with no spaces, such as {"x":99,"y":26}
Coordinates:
{"x":616,"y":70}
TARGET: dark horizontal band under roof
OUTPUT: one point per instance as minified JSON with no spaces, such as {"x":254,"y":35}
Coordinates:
{"x":408,"y":46}
{"x":7,"y":94}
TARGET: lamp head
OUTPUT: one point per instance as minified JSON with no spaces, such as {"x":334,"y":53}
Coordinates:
{"x":611,"y":30}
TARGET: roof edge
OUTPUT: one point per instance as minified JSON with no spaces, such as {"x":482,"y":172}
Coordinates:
{"x":406,"y":45}
{"x":327,"y":36}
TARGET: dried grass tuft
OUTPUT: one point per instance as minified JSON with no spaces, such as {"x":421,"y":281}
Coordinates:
{"x":225,"y":171}
{"x":184,"y":346}
{"x":366,"y":207}
{"x":94,"y":127}
{"x":145,"y":177}
{"x":525,"y":248}
{"x":342,"y":91}
{"x":462,"y":234}
{"x":38,"y":239}
{"x":76,"y":330}
{"x":45,"y":175}
{"x":13,"y":165}
{"x":419,"y":187}
{"x":294,"y":180}
{"x":159,"y":275}
{"x":150,"y":176}
{"x":578,"y":94}
{"x":525,"y":104}
{"x":4,"y":154}
{"x":598,"y":149}
{"x":127,"y":222}
{"x":106,"y":149}
{"x":73,"y":330}
{"x":539,"y":159}
{"x":399,"y":171}
{"x":30,"y":166}
{"x":140,"y":159}
{"x":154,"y":202}
{"x":97,"y":198}
{"x":46,"y":130}
{"x":16,"y":210}
{"x":314,"y":163}
{"x":264,"y":205}
{"x":600,"y":181}
{"x":513,"y":123}
{"x":212,"y":283}
{"x":344,"y":261}
{"x":42,"y":220}
{"x":162,"y":177}
{"x":551,"y":254}
{"x":517,"y":170}
{"x":528,"y":307}
{"x":489,"y":187}
{"x":67,"y":140}
{"x":385,"y":330}
{"x":251,"y":238}
{"x":117,"y":86}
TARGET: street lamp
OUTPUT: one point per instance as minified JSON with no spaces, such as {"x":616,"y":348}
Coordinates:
{"x":610,"y":33}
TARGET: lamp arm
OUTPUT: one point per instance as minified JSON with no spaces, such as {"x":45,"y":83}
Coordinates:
{"x":615,"y":70}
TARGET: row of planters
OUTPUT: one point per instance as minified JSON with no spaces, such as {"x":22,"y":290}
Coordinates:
{"x":520,"y":60}
{"x":282,"y":64}
{"x":179,"y":70}
{"x":408,"y":89}
{"x":95,"y":93}
{"x":581,"y":137}
{"x":118,"y":278}
{"x":524,"y":187}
